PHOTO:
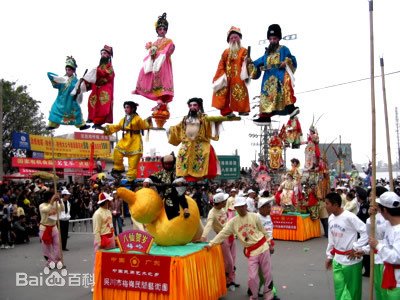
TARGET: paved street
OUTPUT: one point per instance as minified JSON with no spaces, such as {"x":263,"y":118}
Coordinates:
{"x":298,"y":271}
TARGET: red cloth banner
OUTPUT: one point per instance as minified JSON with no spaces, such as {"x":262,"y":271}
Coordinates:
{"x":146,"y":168}
{"x":139,"y":272}
{"x":284,"y":222}
{"x":135,"y":240}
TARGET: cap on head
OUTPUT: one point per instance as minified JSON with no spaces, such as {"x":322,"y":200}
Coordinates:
{"x":65,"y":192}
{"x":232,"y":30}
{"x":148,"y":180}
{"x":263,"y":201}
{"x":103,"y":197}
{"x":220,"y":197}
{"x":274,"y":30}
{"x":108,"y":49}
{"x":389,"y":200}
{"x":240,"y":201}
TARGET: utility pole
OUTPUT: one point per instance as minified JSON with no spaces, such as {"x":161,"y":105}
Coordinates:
{"x":1,"y":131}
{"x":398,"y":137}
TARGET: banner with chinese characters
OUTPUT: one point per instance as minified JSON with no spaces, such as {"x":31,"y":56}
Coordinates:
{"x":230,"y":167}
{"x":139,"y":272}
{"x":135,"y":240}
{"x":91,"y":136}
{"x":284,"y":222}
{"x":69,"y":148}
{"x":22,"y":162}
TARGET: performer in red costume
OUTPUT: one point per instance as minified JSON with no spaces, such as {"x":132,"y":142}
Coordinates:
{"x":101,"y":99}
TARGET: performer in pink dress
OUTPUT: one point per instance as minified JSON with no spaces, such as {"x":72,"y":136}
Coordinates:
{"x":155,"y":80}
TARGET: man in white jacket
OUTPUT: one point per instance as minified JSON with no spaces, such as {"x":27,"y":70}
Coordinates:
{"x":343,"y":244}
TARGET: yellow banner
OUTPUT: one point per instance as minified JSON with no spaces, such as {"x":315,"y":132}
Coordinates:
{"x":65,"y":148}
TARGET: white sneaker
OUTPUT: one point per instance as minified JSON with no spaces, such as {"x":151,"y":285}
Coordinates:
{"x":232,"y":288}
{"x":7,"y":247}
{"x":12,"y":246}
{"x":2,"y":247}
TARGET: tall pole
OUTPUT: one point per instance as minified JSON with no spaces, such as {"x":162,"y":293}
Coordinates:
{"x":389,"y":152}
{"x":1,"y":131}
{"x":55,"y":191}
{"x":373,"y":114}
{"x":340,"y":160}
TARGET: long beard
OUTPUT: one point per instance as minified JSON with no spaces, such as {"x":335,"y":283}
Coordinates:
{"x":193,"y":114}
{"x":272,"y":47}
{"x":104,"y":60}
{"x":234,"y":46}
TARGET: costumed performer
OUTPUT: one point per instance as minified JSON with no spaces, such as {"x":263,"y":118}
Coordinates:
{"x":173,"y":196}
{"x":275,"y":151}
{"x":101,"y":99}
{"x":196,"y":158}
{"x":48,"y":231}
{"x":230,"y":90}
{"x":130,"y":145}
{"x":277,"y":94}
{"x":286,"y":193}
{"x":294,"y":133}
{"x":312,"y":151}
{"x":155,"y":80}
{"x":347,"y":235}
{"x":65,"y":109}
{"x":216,"y":220}
{"x":253,"y":236}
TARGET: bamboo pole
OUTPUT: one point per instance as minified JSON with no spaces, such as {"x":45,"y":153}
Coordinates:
{"x":389,"y":152}
{"x":55,"y":191}
{"x":1,"y":131}
{"x":373,"y":114}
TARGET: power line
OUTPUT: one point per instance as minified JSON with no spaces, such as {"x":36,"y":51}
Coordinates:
{"x":344,"y":83}
{"x":252,"y":101}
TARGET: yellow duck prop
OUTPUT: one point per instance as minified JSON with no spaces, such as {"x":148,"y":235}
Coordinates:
{"x":147,"y":207}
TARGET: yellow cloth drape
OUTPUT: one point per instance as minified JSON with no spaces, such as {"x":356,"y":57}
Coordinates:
{"x":199,"y":276}
{"x":306,"y":229}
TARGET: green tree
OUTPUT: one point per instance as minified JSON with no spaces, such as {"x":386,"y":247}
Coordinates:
{"x":21,"y":113}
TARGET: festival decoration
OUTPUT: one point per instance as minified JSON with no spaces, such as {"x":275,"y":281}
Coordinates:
{"x":146,"y":207}
{"x":160,"y":115}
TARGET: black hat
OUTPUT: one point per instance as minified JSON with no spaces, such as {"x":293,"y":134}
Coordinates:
{"x":274,"y":30}
{"x":162,"y":21}
{"x":199,"y":101}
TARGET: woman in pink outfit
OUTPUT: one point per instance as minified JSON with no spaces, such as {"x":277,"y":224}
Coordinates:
{"x":155,"y":80}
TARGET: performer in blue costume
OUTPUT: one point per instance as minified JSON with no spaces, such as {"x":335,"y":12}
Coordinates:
{"x":65,"y":109}
{"x":277,"y":94}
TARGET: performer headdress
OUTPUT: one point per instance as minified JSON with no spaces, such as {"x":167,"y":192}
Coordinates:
{"x":108,"y":49}
{"x":71,"y":62}
{"x":162,"y":22}
{"x":274,"y":30}
{"x":132,"y":104}
{"x":199,"y":101}
{"x":234,"y":29}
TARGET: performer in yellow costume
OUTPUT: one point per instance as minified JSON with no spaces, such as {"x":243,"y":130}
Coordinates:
{"x":196,"y":157}
{"x":130,"y":145}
